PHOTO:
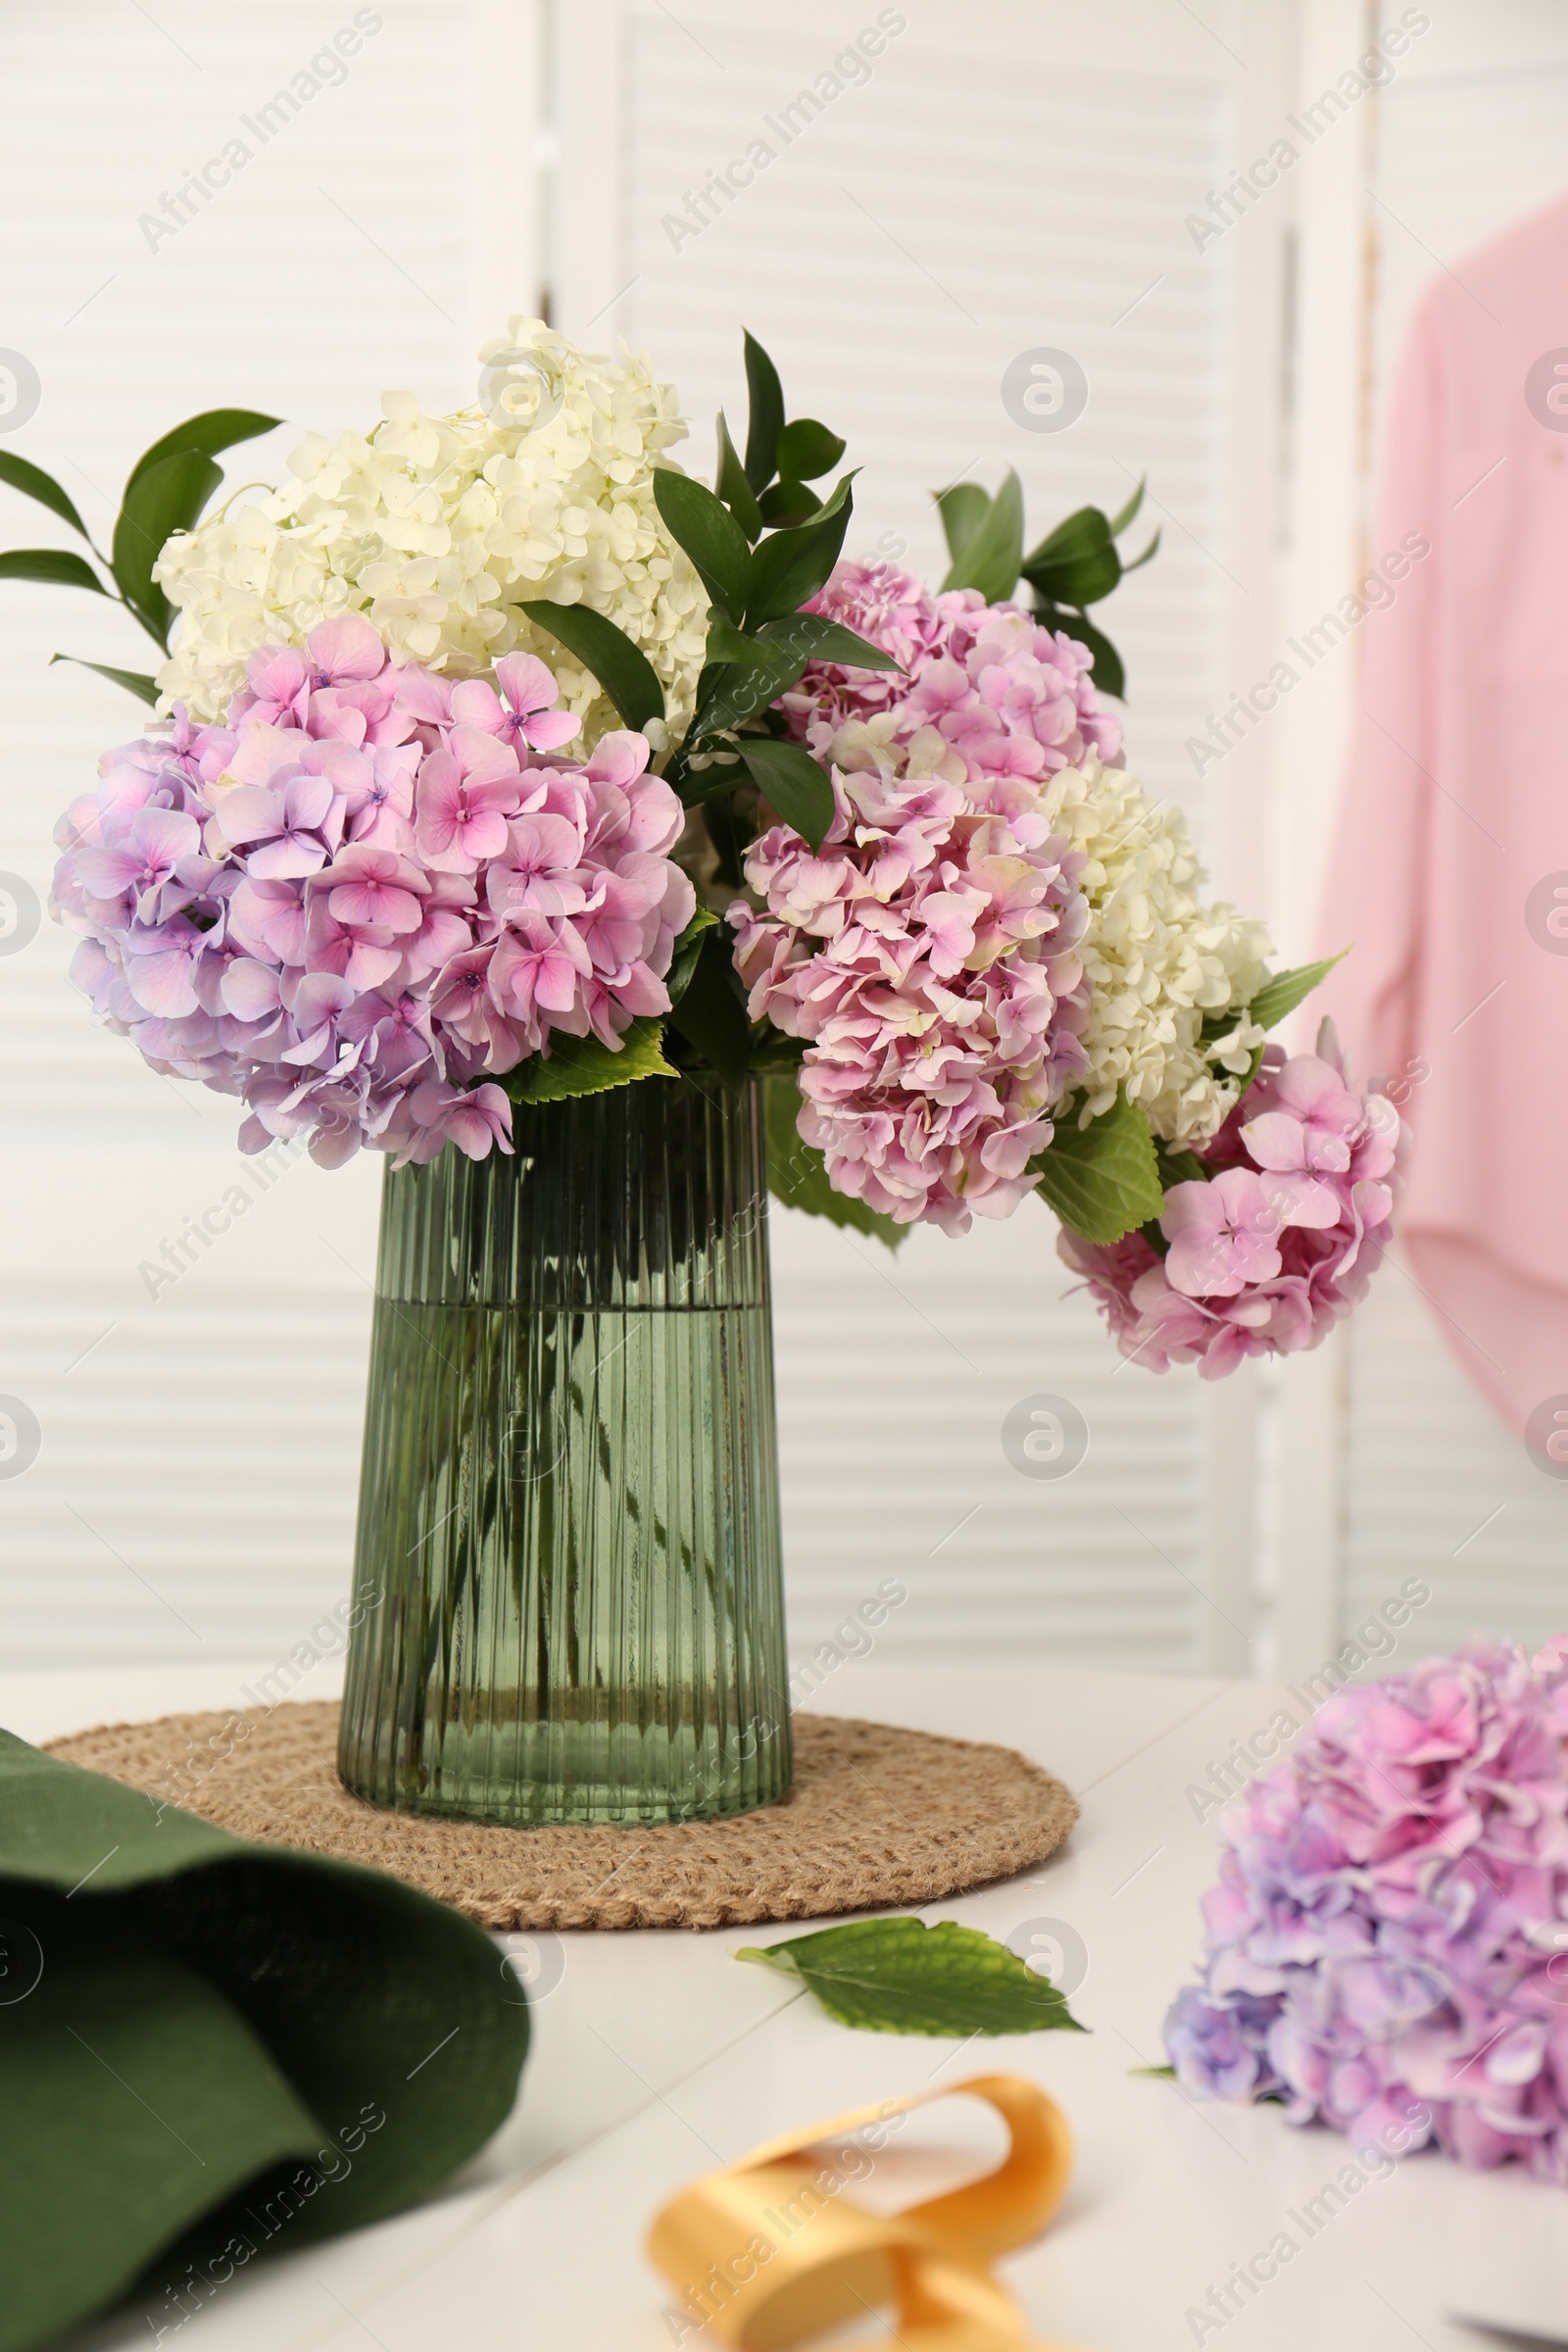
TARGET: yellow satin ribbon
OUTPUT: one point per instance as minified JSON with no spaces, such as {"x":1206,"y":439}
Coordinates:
{"x":771,"y":2251}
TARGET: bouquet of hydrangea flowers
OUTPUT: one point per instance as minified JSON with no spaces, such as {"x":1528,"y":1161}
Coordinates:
{"x":497,"y":760}
{"x":1387,"y":1947}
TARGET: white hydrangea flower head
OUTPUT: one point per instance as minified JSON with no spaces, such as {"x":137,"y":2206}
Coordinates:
{"x":438,"y":529}
{"x":1161,"y":959}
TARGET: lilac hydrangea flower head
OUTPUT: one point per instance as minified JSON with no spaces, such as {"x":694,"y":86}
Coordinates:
{"x":371,"y":894}
{"x":1387,"y":1949}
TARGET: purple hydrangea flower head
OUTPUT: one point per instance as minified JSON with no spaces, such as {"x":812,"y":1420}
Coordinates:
{"x":1387,"y":1949}
{"x":370,"y":893}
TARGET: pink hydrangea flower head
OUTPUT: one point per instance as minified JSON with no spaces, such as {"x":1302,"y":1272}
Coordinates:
{"x":1279,"y":1238}
{"x":1384,"y":1949}
{"x":927,"y":954}
{"x":1011,"y":698}
{"x":370,"y":893}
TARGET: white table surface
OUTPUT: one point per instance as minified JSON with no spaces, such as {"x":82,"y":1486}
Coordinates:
{"x":655,"y":2057}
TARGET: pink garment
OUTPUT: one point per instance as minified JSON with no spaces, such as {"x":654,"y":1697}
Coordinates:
{"x":1455,"y":811}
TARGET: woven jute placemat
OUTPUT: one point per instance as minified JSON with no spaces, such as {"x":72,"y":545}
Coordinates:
{"x":875,"y":1816}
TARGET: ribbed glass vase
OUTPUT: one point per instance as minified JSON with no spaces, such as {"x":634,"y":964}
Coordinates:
{"x":568,"y":1587}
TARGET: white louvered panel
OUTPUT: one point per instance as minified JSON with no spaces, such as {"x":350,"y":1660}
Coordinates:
{"x":1019,"y":200}
{"x":194,"y":1494}
{"x":211,"y":1437}
{"x":965,"y":205}
{"x":1440,"y":1489}
{"x":1470,"y":139}
{"x":894,"y":1377}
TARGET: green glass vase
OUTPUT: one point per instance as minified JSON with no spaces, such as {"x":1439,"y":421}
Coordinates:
{"x":568,"y":1580}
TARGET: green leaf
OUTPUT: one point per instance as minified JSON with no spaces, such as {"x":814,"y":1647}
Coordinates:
{"x":33,"y":482}
{"x":1279,"y":996}
{"x":746,"y":673}
{"x":1109,"y":675}
{"x":992,"y":556}
{"x":1148,"y":556}
{"x":963,"y":508}
{"x":740,"y":689}
{"x":623,"y":668}
{"x":712,"y":1012}
{"x":766,"y":419}
{"x":145,"y":689}
{"x":1157,"y":2073}
{"x":807,"y":451}
{"x":733,"y":487}
{"x":815,"y":638}
{"x":1124,"y":516}
{"x":683,"y":963}
{"x":160,"y":500}
{"x":706,"y":529}
{"x":1077,"y":562}
{"x":797,"y":1172}
{"x":793,"y":565}
{"x":898,"y":1976}
{"x":581,"y":1066}
{"x":799,"y":790}
{"x":787,"y":504}
{"x":1102,"y":1179}
{"x":726,"y":643}
{"x":55,"y":567}
{"x":213,"y":429}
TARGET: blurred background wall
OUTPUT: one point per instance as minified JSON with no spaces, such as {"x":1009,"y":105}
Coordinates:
{"x":1012,"y":175}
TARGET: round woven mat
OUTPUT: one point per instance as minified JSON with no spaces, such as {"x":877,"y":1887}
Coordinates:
{"x":875,"y":1816}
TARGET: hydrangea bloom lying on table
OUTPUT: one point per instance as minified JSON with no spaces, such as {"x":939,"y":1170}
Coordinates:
{"x":388,"y":865}
{"x":1388,"y":1947}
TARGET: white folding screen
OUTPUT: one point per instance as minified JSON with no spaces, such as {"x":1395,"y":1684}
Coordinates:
{"x":1024,"y":176}
{"x":194,"y":1492}
{"x":902,"y":225}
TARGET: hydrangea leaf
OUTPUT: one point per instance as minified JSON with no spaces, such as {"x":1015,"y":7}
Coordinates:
{"x":213,"y":429}
{"x":705,"y":527}
{"x":806,"y":450}
{"x":1077,"y":562}
{"x":737,"y":690}
{"x":1282,"y":994}
{"x":726,"y":643}
{"x":582,"y":1065}
{"x":964,"y":508}
{"x":711,"y":1014}
{"x":766,"y":420}
{"x":160,"y":500}
{"x":793,"y":563}
{"x":1102,"y":1179}
{"x":732,"y":485}
{"x":798,"y":788}
{"x":797,"y":1172}
{"x":57,"y":566}
{"x":623,"y":668}
{"x":993,"y":554}
{"x":1124,"y":515}
{"x":32,"y":481}
{"x":145,"y":689}
{"x":689,"y":946}
{"x":788,"y":503}
{"x":819,"y":639}
{"x":898,"y":1976}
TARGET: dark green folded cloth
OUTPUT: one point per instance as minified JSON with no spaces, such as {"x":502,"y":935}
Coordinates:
{"x":212,"y":2050}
